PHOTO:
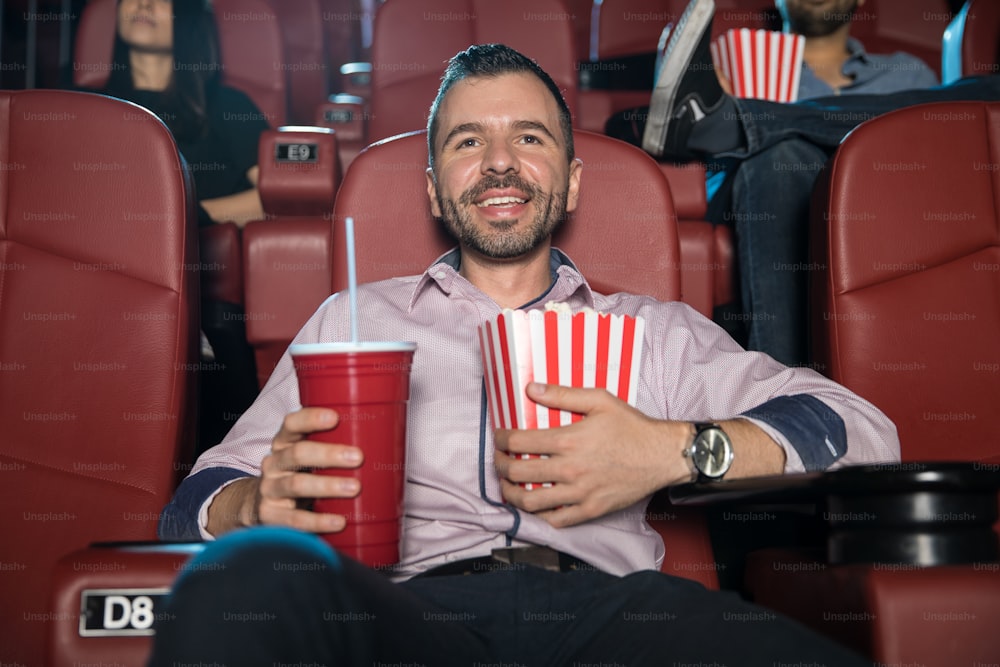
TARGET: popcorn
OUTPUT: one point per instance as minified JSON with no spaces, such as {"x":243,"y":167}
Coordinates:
{"x":761,"y":64}
{"x":556,"y":346}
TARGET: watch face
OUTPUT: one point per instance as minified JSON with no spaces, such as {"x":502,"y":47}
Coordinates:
{"x":713,"y":453}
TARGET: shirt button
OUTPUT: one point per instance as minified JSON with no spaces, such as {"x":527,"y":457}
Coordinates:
{"x":439,"y":275}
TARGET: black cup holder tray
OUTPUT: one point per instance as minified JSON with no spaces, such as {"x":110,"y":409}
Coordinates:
{"x":913,"y":513}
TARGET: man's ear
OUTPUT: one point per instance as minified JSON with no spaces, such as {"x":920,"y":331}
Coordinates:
{"x":573,"y":190}
{"x":432,"y":193}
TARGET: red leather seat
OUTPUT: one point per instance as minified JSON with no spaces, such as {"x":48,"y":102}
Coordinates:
{"x":342,"y":21}
{"x":99,"y":353}
{"x":971,"y":44}
{"x":413,"y":41}
{"x":305,"y":62}
{"x":907,"y":314}
{"x":222,"y":263}
{"x":640,"y":256}
{"x":287,"y":256}
{"x":617,"y":29}
{"x":385,"y":186}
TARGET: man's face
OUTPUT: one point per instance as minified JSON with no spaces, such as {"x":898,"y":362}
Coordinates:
{"x":501,"y":181}
{"x":147,"y":25}
{"x":816,"y":18}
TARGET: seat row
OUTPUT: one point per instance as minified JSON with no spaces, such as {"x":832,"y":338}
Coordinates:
{"x":406,"y":65}
{"x":288,"y":56}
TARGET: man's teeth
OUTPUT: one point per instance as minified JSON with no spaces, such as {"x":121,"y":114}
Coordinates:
{"x":501,"y":201}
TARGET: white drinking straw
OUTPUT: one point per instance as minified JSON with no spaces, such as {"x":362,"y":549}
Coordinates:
{"x":352,"y":278}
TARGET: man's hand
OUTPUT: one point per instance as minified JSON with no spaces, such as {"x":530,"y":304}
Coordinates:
{"x":609,"y":460}
{"x":286,"y":479}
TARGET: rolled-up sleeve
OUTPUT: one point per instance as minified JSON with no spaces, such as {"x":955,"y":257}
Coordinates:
{"x":706,"y":376}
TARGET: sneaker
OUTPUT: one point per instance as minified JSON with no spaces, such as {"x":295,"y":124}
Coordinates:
{"x":687,"y":88}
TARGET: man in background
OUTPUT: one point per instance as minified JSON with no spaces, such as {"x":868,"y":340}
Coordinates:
{"x":764,"y":194}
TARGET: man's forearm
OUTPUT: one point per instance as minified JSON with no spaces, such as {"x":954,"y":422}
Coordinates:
{"x":755,"y":453}
{"x":241,"y":208}
{"x":233,"y":507}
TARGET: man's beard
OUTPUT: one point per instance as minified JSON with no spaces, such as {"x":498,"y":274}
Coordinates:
{"x":502,"y":240}
{"x":816,"y":22}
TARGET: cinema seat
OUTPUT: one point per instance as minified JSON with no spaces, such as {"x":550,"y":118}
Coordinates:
{"x":639,"y":253}
{"x":287,"y":256}
{"x":616,"y":50}
{"x":305,"y":61}
{"x":413,"y":41}
{"x":385,"y":185}
{"x":98,"y":350}
{"x":907,"y":314}
{"x":347,"y":28}
{"x":971,"y":44}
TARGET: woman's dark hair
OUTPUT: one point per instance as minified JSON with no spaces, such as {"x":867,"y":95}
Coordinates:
{"x":196,"y":74}
{"x":493,"y":60}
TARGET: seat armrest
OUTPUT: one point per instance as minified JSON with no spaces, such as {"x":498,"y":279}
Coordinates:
{"x":346,"y":115}
{"x":356,"y":79}
{"x":288,"y":275}
{"x":105,"y":598}
{"x":914,"y":513}
{"x":299,"y":171}
{"x":222,"y":263}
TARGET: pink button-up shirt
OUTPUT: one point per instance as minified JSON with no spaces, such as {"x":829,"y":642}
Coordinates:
{"x":691,"y":370}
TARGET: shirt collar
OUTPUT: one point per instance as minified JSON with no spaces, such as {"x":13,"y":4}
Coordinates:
{"x":858,"y":65}
{"x":568,"y":284}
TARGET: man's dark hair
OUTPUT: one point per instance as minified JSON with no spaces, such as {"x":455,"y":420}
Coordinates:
{"x":493,"y":60}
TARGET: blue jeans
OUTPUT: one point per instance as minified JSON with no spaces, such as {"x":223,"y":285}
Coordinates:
{"x":772,"y":179}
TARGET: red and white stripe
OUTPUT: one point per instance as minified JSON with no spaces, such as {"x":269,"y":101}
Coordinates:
{"x":582,"y":350}
{"x":760,"y":64}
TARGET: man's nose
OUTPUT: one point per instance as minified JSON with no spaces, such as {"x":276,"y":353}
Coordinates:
{"x":500,"y":158}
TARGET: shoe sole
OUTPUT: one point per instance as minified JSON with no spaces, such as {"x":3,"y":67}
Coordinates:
{"x":676,"y":59}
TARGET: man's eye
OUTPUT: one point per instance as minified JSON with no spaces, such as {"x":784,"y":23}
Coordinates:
{"x":530,"y":139}
{"x":467,"y":143}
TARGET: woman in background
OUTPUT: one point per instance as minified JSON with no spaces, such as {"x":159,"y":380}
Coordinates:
{"x":166,"y":59}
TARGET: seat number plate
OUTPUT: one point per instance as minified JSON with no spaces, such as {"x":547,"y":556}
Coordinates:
{"x":296,"y":152}
{"x":338,"y":116}
{"x":120,"y":612}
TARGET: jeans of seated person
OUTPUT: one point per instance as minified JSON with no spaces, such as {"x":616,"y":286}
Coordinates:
{"x":769,"y":214}
{"x":264,"y":596}
{"x":772,"y":179}
{"x":825,"y":121}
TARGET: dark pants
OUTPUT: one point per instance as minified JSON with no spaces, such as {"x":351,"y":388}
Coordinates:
{"x":267,"y":596}
{"x":771,"y":180}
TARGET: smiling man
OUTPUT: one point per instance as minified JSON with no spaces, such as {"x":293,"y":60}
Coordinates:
{"x":502,"y":176}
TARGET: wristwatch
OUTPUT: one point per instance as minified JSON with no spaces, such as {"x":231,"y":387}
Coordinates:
{"x":711,"y":452}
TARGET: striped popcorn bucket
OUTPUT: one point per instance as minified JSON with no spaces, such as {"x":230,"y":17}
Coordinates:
{"x":586,"y":349}
{"x":761,"y":64}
